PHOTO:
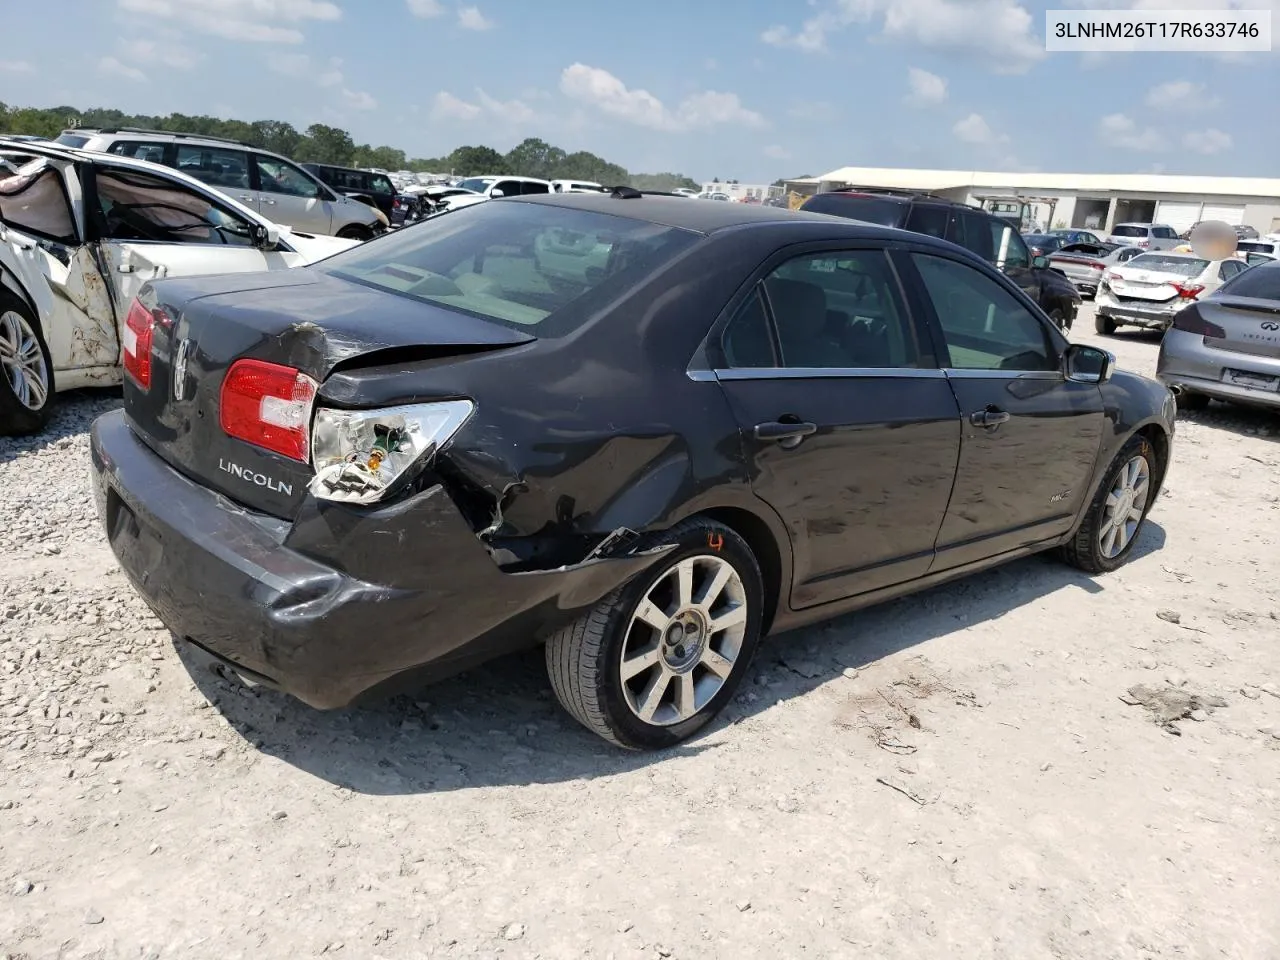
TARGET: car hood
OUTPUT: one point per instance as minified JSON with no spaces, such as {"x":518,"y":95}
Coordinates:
{"x":312,"y":246}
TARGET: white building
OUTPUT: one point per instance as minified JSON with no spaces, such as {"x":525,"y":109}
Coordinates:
{"x":744,"y":191}
{"x":1083,"y":200}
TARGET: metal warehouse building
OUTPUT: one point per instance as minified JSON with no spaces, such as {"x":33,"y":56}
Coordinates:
{"x":1083,"y":200}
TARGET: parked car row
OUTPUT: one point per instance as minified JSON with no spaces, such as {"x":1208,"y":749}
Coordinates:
{"x":80,"y":233}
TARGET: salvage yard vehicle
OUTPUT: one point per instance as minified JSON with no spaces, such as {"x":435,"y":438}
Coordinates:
{"x":1084,"y":263}
{"x":80,"y":233}
{"x":1227,"y":345}
{"x":1149,"y":290}
{"x":640,"y":431}
{"x":276,"y":187}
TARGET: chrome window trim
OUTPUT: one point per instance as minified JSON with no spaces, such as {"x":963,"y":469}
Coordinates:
{"x":828,"y":373}
{"x":966,"y":373}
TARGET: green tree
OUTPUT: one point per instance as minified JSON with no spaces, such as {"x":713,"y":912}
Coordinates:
{"x":386,"y":158}
{"x":534,"y":158}
{"x":476,"y":161}
{"x":276,"y":136}
{"x":325,"y":144}
{"x":663,"y":181}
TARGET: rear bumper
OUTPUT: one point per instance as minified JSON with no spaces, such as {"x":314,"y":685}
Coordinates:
{"x":1156,"y":316}
{"x":1186,"y":362}
{"x":337,"y":605}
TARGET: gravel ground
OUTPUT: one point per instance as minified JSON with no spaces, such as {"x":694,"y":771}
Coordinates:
{"x":984,"y":770}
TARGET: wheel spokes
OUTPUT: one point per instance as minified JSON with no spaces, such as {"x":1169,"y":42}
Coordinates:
{"x":653,"y":696}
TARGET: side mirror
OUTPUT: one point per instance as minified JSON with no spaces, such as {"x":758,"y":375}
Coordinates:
{"x":265,"y":237}
{"x":1088,"y":364}
{"x":1040,"y":263}
{"x":495,"y":194}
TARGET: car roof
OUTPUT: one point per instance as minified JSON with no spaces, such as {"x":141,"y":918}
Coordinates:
{"x":705,"y":218}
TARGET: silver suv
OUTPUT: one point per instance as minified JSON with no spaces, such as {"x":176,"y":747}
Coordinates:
{"x":278,"y":189}
{"x":1148,"y":236}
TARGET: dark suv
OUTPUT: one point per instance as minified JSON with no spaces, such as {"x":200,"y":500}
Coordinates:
{"x":375,"y":189}
{"x":990,"y":237}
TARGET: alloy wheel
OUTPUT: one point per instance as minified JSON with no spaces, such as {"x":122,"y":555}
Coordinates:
{"x":1124,"y":507}
{"x":22,"y":361}
{"x":684,"y":639}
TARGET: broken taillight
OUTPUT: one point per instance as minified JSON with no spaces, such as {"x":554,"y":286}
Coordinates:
{"x":1189,"y":291}
{"x":269,"y":406}
{"x":139,"y":331}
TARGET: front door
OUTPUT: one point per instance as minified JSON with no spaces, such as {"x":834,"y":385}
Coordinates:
{"x":150,"y":227}
{"x":1030,"y":435}
{"x":288,"y":195}
{"x":850,"y":431}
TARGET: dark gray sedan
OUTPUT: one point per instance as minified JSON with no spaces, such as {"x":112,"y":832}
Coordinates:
{"x":1228,"y":344}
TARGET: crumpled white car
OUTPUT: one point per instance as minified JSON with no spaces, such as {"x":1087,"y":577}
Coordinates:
{"x":80,"y":233}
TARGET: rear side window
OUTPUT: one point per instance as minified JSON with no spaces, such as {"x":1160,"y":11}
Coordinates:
{"x":929,"y":219}
{"x":1261,"y":282}
{"x":34,"y":200}
{"x":975,"y":232}
{"x":214,"y":166}
{"x":524,"y":265}
{"x":139,"y":150}
{"x":527,"y":188}
{"x":71,"y":140}
{"x":1123,"y":231}
{"x":747,"y":341}
{"x":881,"y":210}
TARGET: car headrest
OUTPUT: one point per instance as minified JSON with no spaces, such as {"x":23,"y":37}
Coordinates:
{"x":800,"y":308}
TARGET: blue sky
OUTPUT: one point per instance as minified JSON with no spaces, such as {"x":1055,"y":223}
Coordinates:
{"x":753,"y":89}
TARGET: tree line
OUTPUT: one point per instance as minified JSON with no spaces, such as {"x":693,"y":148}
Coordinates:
{"x":321,"y":143}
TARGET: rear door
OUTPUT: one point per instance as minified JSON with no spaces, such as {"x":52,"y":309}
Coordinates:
{"x":1029,"y":437}
{"x":224,"y":169}
{"x":850,"y":430}
{"x":287,"y":195}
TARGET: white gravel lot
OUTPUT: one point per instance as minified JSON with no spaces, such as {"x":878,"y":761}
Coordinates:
{"x":952,"y":775}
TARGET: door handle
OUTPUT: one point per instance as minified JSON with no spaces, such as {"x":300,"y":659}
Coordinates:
{"x":785,"y":433}
{"x":265,"y":200}
{"x":245,"y":196}
{"x":991,"y":417}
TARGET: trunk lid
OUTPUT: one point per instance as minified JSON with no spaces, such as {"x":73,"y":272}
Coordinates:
{"x":1138,"y":284}
{"x":299,"y":318}
{"x":1249,"y":325}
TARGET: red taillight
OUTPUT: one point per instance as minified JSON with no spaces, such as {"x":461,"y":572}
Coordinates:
{"x":1189,"y":291}
{"x":1190,"y":321}
{"x":139,"y":331}
{"x":268,"y":405}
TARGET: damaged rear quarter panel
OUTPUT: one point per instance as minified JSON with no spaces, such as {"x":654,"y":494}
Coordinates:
{"x":603,"y":431}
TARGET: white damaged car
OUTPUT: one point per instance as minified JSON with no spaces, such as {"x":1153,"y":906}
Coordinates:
{"x":80,"y":233}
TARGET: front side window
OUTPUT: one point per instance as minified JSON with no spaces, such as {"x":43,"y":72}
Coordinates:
{"x":985,"y":326}
{"x":277,"y":176}
{"x":228,"y":169}
{"x":477,"y":184}
{"x":524,"y":265}
{"x":381,"y":186}
{"x":928,"y":218}
{"x":136,"y":206}
{"x":840,"y":310}
{"x":1011,"y":249}
{"x":973,"y":232}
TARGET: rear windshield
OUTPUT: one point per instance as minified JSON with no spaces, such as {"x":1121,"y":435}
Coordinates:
{"x":1129,"y":232}
{"x":1158,"y":263}
{"x":1256,"y":246}
{"x":1261,"y":282}
{"x":881,"y":210}
{"x":71,"y":140}
{"x":526,"y":265}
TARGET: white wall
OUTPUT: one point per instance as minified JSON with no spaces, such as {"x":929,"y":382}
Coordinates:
{"x":1263,"y":217}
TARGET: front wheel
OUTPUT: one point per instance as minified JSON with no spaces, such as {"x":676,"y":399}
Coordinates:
{"x":1110,"y":527}
{"x":1104,"y":325}
{"x":658,"y":658}
{"x":26,"y":370}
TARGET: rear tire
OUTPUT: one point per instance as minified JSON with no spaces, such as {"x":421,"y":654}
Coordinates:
{"x":1116,"y":509}
{"x":687,"y":639}
{"x":26,"y":370}
{"x":1104,"y":325}
{"x":1186,"y":400}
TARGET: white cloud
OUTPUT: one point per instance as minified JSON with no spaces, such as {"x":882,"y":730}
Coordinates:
{"x":971,"y":27}
{"x":1180,"y":95}
{"x":301,"y":66}
{"x":253,"y":21}
{"x":114,"y":68}
{"x":16,"y":66}
{"x":975,"y":129}
{"x":170,"y":53}
{"x":1208,"y":142}
{"x":927,"y":89}
{"x":446,"y":106}
{"x":426,"y":9}
{"x":602,"y":90}
{"x":776,"y":151}
{"x":1118,"y":130}
{"x":359,"y":100}
{"x":470,"y":18}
